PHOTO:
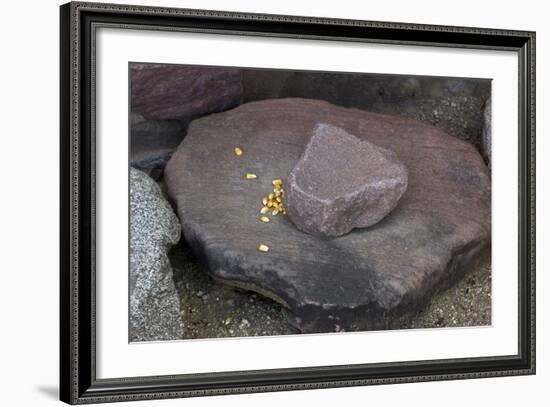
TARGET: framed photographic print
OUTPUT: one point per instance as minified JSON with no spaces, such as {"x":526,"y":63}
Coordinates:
{"x":257,"y":203}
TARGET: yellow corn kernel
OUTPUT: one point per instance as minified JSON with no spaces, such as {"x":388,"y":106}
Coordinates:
{"x":275,"y":212}
{"x":270,"y":197}
{"x":250,"y":175}
{"x":238,"y":151}
{"x":279,"y":199}
{"x":264,"y":210}
{"x":264,"y":219}
{"x":264,"y":201}
{"x":263,"y":248}
{"x":277,"y":182}
{"x":269,"y":204}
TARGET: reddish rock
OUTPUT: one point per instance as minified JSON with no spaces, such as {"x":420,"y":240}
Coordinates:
{"x":342,"y":182}
{"x":370,"y":278}
{"x":183,"y":92}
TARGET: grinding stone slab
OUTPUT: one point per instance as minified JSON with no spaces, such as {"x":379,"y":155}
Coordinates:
{"x":368,"y":279}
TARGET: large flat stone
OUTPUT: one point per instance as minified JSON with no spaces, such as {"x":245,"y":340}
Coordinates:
{"x":368,"y":279}
{"x":342,"y":182}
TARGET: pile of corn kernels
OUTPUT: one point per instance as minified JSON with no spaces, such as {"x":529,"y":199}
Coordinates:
{"x":272,"y":204}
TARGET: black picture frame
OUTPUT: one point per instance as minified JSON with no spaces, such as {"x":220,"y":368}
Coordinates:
{"x":78,"y":382}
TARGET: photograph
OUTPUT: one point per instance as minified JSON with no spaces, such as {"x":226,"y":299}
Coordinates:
{"x":266,"y":202}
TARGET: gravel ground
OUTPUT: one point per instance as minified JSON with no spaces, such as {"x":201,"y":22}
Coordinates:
{"x":459,"y":116}
{"x":211,"y":309}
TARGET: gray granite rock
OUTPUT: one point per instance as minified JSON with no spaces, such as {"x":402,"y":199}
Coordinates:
{"x":154,"y":228}
{"x":370,"y":278}
{"x":341,"y":183}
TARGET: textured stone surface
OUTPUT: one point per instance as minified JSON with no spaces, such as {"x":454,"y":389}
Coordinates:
{"x":342,"y":182}
{"x":152,"y":143}
{"x":367,"y":279}
{"x":182,"y":92}
{"x":154,"y":228}
{"x":211,"y":309}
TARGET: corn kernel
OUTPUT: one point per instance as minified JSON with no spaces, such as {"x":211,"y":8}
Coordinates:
{"x":264,"y":219}
{"x":264,"y":210}
{"x":238,"y":151}
{"x":263,"y":248}
{"x":277,"y":182}
{"x":264,"y":201}
{"x":269,"y":204}
{"x":250,"y":175}
{"x":275,"y":212}
{"x":279,"y":199}
{"x":270,"y":196}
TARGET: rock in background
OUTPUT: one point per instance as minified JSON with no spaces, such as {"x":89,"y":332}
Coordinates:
{"x":164,"y":100}
{"x":153,"y":142}
{"x":154,"y":228}
{"x":182,"y":92}
{"x":456,"y":105}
